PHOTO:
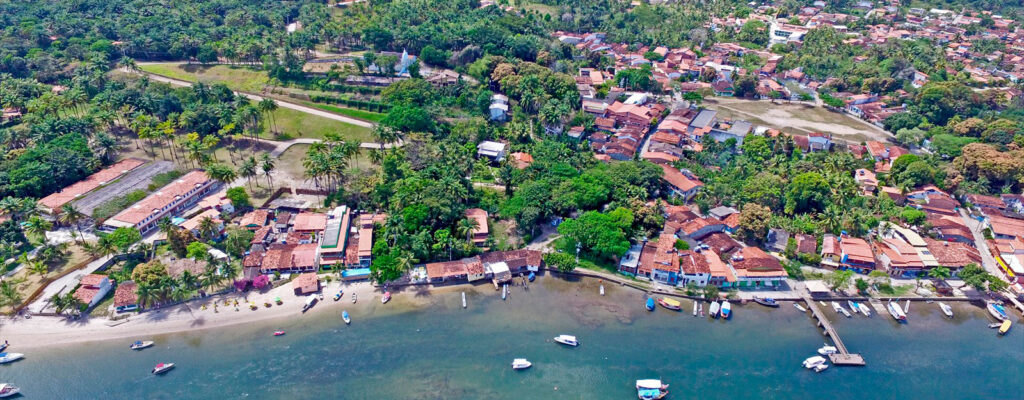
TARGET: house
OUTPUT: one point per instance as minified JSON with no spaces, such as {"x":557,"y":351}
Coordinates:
{"x":953,"y":255}
{"x":694,"y":269}
{"x":856,"y":255}
{"x":721,"y":212}
{"x":255,"y":219}
{"x":480,"y":232}
{"x":1009,"y":254}
{"x":92,"y":289}
{"x":720,"y":242}
{"x":754,"y":269}
{"x":867,"y":180}
{"x":777,"y":240}
{"x":492,"y":150}
{"x":218,"y":201}
{"x":950,"y":228}
{"x":817,"y":141}
{"x":629,"y":262}
{"x":499,"y":108}
{"x":125,"y":297}
{"x":169,"y":201}
{"x":193,"y":225}
{"x":283,"y":221}
{"x":467,"y":269}
{"x":521,"y":160}
{"x":305,"y":284}
{"x":659,"y":261}
{"x":517,"y":261}
{"x":806,"y":244}
{"x":335,"y":237}
{"x":1004,"y":228}
{"x":986,"y":204}
{"x":289,"y":258}
{"x":52,"y":204}
{"x":679,"y":184}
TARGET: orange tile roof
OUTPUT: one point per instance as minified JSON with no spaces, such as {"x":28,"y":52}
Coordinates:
{"x":85,"y":294}
{"x":678,"y":180}
{"x":310,"y":222}
{"x":166,"y":195}
{"x":92,"y":280}
{"x":193,"y":223}
{"x":57,"y":200}
{"x":125,"y":294}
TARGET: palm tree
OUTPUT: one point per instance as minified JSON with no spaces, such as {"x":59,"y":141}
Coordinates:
{"x":105,"y":145}
{"x":268,"y":106}
{"x":248,"y":169}
{"x":38,"y":266}
{"x":37,"y":226}
{"x":221,"y":173}
{"x":211,"y":277}
{"x":208,"y":228}
{"x":466,"y":227}
{"x":69,"y":215}
{"x":939,"y":273}
{"x":267,"y":165}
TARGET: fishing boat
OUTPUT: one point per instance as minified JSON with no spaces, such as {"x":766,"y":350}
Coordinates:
{"x":139,"y":344}
{"x":766,"y":301}
{"x":906,"y":308}
{"x":278,"y":333}
{"x":521,"y":363}
{"x":7,"y":390}
{"x":345,"y":317}
{"x":602,"y":290}
{"x":650,"y":389}
{"x":826,"y":350}
{"x":839,"y":309}
{"x":820,"y":367}
{"x":309,"y":303}
{"x":853,"y":306}
{"x":463,"y":299}
{"x":997,"y":311}
{"x":10,"y":357}
{"x":504,"y":291}
{"x":386,"y":298}
{"x":799,"y":307}
{"x":670,"y":304}
{"x":162,"y":367}
{"x":650,"y":304}
{"x":700,"y":309}
{"x":532,"y":276}
{"x":726,"y":309}
{"x":812,"y":362}
{"x":337,"y":296}
{"x":946,"y":309}
{"x":353,"y":297}
{"x":864,"y":309}
{"x":896,"y":311}
{"x":567,"y":340}
{"x":1005,"y":326}
{"x":713,"y":310}
{"x":695,"y":308}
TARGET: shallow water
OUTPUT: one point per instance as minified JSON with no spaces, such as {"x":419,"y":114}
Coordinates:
{"x":407,"y":350}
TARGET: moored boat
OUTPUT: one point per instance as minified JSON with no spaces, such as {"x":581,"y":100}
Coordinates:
{"x":7,"y":390}
{"x":10,"y":357}
{"x":997,"y":311}
{"x":814,"y":361}
{"x":853,"y":306}
{"x":799,"y":307}
{"x":602,"y":290}
{"x":567,"y":340}
{"x":864,"y":309}
{"x":161,"y":368}
{"x":532,"y":276}
{"x":726,"y":309}
{"x":345,"y":317}
{"x":695,"y":308}
{"x":839,"y":309}
{"x":946,"y":309}
{"x":353,"y":297}
{"x":1005,"y":326}
{"x":995,"y":325}
{"x":278,"y":333}
{"x":713,"y":310}
{"x":521,"y":363}
{"x":820,"y":367}
{"x":386,"y":298}
{"x":650,"y":384}
{"x":650,"y":304}
{"x":463,"y":299}
{"x":337,"y":296}
{"x":309,"y":303}
{"x":504,"y":291}
{"x":826,"y":350}
{"x":896,"y":311}
{"x":140,"y":344}
{"x":670,"y":304}
{"x":651,"y":389}
{"x":766,"y":301}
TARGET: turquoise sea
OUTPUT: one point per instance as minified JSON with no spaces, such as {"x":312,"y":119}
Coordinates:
{"x":424,"y":345}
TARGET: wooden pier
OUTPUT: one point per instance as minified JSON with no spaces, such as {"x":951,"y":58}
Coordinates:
{"x":844,"y":357}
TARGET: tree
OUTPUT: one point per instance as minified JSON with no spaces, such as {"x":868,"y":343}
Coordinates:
{"x":248,"y":169}
{"x":939,"y":273}
{"x":123,"y":238}
{"x":37,"y":227}
{"x":70,"y":216}
{"x":222,"y":173}
{"x":754,"y":222}
{"x":807,"y":192}
{"x":564,"y":262}
{"x":862,"y":285}
{"x":267,"y":165}
{"x":839,"y":280}
{"x":711,"y":292}
{"x":239,"y":198}
{"x":237,"y":241}
{"x":603,"y":234}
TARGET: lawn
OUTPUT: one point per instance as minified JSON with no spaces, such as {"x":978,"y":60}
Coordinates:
{"x":235,"y":77}
{"x":290,"y":161}
{"x":30,"y":281}
{"x":351,"y":112}
{"x":296,"y":124}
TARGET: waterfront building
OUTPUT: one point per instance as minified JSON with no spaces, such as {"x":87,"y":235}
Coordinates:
{"x":169,"y":201}
{"x":335,"y":237}
{"x":125,"y":297}
{"x":92,"y":289}
{"x":481,"y":231}
{"x":856,"y":255}
{"x":305,"y":284}
{"x":755,"y":269}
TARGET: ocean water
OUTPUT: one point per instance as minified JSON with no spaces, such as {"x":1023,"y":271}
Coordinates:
{"x":424,"y":345}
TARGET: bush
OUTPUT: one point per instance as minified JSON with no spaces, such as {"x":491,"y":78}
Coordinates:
{"x":163,"y":179}
{"x":564,"y":262}
{"x":114,"y":206}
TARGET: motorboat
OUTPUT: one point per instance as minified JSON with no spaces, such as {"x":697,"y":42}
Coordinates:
{"x":853,"y":306}
{"x":140,"y":344}
{"x":567,"y":340}
{"x":820,"y":367}
{"x":695,"y":308}
{"x":726,"y":309}
{"x":650,"y":384}
{"x":278,"y":333}
{"x":353,"y":297}
{"x":521,"y":363}
{"x":839,"y":309}
{"x":345,"y":317}
{"x":826,"y":350}
{"x":3,"y":346}
{"x":463,"y":299}
{"x":532,"y":276}
{"x":670,"y":304}
{"x":995,"y":325}
{"x":10,"y":357}
{"x":997,"y":311}
{"x":766,"y":301}
{"x":504,"y":291}
{"x":162,"y":367}
{"x":1005,"y":326}
{"x":649,"y":304}
{"x":309,"y":303}
{"x":896,"y":311}
{"x":864,"y":309}
{"x":386,"y":298}
{"x":7,"y":390}
{"x":946,"y":309}
{"x":812,"y":362}
{"x":713,"y":310}
{"x":602,"y":290}
{"x":651,"y":389}
{"x":799,"y":307}
{"x":337,"y":296}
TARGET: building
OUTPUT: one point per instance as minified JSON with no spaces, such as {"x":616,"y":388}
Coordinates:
{"x":255,"y":219}
{"x":806,"y":244}
{"x":92,"y":289}
{"x":679,"y":184}
{"x":755,"y":269}
{"x":481,"y":231}
{"x":335,"y":237}
{"x":125,"y":297}
{"x":306,"y":283}
{"x":289,"y":258}
{"x":694,"y":269}
{"x":777,"y":240}
{"x":831,"y":255}
{"x":194,"y":224}
{"x":467,"y":270}
{"x":659,"y":261}
{"x":499,"y":107}
{"x":721,"y":274}
{"x":492,"y":150}
{"x":953,"y":255}
{"x":631,"y":260}
{"x":52,"y":204}
{"x":856,"y":255}
{"x":169,"y":201}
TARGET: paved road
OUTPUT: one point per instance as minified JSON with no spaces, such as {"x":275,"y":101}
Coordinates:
{"x":987,"y":261}
{"x":133,"y":180}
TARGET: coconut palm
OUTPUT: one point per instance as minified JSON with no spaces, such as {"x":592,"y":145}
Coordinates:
{"x":70,"y":216}
{"x":248,"y":169}
{"x":268,"y":106}
{"x":208,"y":228}
{"x":211,"y":276}
{"x":37,"y":226}
{"x":466,"y":227}
{"x":939,"y":273}
{"x":221,"y":173}
{"x":38,"y":266}
{"x":267,"y":165}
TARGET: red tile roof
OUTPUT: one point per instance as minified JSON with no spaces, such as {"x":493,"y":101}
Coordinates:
{"x":57,"y":200}
{"x":676,"y":178}
{"x":136,"y":213}
{"x":125,"y":294}
{"x":255,"y":218}
{"x":306,"y":283}
{"x":93,"y":280}
{"x":85,"y":294}
{"x":953,"y":254}
{"x":306,"y":222}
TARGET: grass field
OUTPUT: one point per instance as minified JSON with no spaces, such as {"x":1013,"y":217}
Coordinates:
{"x":235,"y":77}
{"x":797,"y":118}
{"x":297,"y":124}
{"x":351,"y":112}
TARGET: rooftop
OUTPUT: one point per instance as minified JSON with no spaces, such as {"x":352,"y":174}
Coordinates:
{"x":158,"y":201}
{"x":57,"y":200}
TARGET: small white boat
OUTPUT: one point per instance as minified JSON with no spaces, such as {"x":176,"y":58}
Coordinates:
{"x":650,"y":384}
{"x":853,"y":306}
{"x":799,"y":307}
{"x":946,"y":309}
{"x":826,"y":350}
{"x":695,"y":308}
{"x":385,"y":298}
{"x":713,"y":310}
{"x":3,"y":346}
{"x":726,"y":309}
{"x":840,"y":310}
{"x":10,"y":357}
{"x":7,"y":390}
{"x":812,"y":362}
{"x":896,"y":311}
{"x":162,"y":367}
{"x":345,"y":317}
{"x":504,"y":291}
{"x":864,"y":309}
{"x":521,"y":363}
{"x":567,"y":340}
{"x":309,"y":303}
{"x":463,"y":299}
{"x":906,"y":308}
{"x":602,"y":290}
{"x":996,"y":311}
{"x":820,"y":367}
{"x":823,"y":304}
{"x":353,"y":297}
{"x":995,"y":325}
{"x":140,"y":344}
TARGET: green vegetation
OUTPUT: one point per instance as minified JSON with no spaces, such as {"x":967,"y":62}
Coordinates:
{"x":241,"y":78}
{"x":114,"y":206}
{"x":297,"y":124}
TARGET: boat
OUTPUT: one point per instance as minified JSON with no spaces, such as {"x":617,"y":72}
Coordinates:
{"x":820,"y":367}
{"x":309,"y":303}
{"x":567,"y":340}
{"x":345,"y":317}
{"x":823,"y":304}
{"x":278,"y":333}
{"x":766,"y":301}
{"x":896,"y":311}
{"x":602,"y":290}
{"x":463,"y":299}
{"x":650,"y":384}
{"x":726,"y":309}
{"x":946,"y":309}
{"x":1005,"y":326}
{"x":353,"y":297}
{"x":162,"y":367}
{"x":812,"y":362}
{"x":10,"y":357}
{"x":648,"y":389}
{"x":532,"y":276}
{"x":337,"y":296}
{"x":504,"y":291}
{"x":7,"y":390}
{"x":853,"y":306}
{"x":995,"y":325}
{"x":695,"y":308}
{"x":799,"y":307}
{"x":906,"y":308}
{"x":826,"y":350}
{"x":997,"y":311}
{"x":521,"y":363}
{"x":713,"y":310}
{"x":386,"y":298}
{"x":3,"y":346}
{"x":650,"y":304}
{"x":139,"y":344}
{"x":670,"y":304}
{"x":839,"y":309}
{"x":864,"y":309}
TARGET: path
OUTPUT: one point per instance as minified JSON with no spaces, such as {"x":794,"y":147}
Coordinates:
{"x":65,"y":282}
{"x":987,"y":261}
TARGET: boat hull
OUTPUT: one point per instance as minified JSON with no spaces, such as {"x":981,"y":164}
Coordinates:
{"x":996,"y":312}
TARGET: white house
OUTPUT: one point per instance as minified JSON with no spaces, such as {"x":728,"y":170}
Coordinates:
{"x":493,"y":150}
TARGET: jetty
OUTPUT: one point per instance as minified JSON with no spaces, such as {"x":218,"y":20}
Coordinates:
{"x":843,"y":357}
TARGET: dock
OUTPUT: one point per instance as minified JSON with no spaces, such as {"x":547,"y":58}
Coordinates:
{"x":844,"y":357}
